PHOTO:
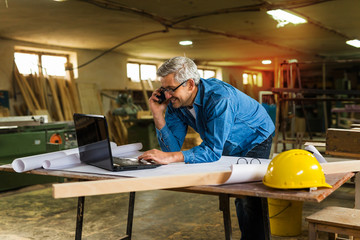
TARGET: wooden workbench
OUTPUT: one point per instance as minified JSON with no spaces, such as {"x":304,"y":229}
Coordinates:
{"x":223,"y":191}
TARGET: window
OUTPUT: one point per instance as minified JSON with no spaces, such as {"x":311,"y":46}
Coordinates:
{"x":53,"y":65}
{"x":137,"y":71}
{"x":34,"y":62}
{"x":206,"y":73}
{"x":27,"y":63}
{"x":252,"y":79}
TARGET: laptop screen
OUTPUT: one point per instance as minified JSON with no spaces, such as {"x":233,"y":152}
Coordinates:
{"x":93,"y":140}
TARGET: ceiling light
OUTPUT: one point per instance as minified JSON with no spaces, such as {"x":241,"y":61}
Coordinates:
{"x":185,"y":43}
{"x":354,"y":43}
{"x":265,"y":62}
{"x":283,"y":17}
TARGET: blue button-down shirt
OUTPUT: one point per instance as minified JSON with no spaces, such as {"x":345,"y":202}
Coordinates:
{"x":229,"y":122}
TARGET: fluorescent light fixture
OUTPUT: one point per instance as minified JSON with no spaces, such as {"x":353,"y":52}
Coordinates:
{"x":185,"y":43}
{"x":283,"y":17}
{"x":354,"y":43}
{"x":265,"y":62}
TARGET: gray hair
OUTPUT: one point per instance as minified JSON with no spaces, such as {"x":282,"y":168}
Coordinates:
{"x":183,"y":67}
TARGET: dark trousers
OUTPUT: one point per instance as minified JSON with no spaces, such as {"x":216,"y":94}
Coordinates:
{"x":249,"y":209}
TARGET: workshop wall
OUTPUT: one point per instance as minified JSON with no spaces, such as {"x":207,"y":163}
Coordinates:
{"x":109,"y":71}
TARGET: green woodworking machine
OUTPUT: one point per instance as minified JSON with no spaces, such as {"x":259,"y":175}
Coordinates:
{"x":30,"y":135}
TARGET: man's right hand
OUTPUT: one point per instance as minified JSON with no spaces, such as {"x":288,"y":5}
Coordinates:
{"x":158,"y":109}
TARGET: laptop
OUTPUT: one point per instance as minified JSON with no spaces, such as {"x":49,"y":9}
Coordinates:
{"x":94,"y":145}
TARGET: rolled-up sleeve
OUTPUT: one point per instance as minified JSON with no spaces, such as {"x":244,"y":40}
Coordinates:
{"x":172,"y":135}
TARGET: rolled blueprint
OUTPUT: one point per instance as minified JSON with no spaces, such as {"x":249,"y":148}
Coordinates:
{"x":246,"y":173}
{"x":33,"y":162}
{"x":62,"y":157}
{"x":62,"y":162}
{"x":316,"y":153}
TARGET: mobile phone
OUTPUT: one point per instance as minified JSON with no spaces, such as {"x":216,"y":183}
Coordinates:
{"x":161,"y":97}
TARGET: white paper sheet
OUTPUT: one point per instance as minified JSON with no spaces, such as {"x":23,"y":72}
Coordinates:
{"x":247,"y":173}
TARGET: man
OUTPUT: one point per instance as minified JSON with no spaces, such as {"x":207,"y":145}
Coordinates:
{"x":229,"y":122}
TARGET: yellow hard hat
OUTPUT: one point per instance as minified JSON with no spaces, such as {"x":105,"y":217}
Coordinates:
{"x":295,"y":168}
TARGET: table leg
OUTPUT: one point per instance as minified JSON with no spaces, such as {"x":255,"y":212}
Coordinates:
{"x":225,"y":208}
{"x":130,"y":215}
{"x":357,"y":190}
{"x":265,"y":210}
{"x":79,"y":217}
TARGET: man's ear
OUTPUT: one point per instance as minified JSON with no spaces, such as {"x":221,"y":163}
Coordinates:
{"x":191,"y":83}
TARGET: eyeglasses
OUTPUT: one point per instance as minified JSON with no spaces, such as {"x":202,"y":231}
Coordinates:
{"x":172,"y":90}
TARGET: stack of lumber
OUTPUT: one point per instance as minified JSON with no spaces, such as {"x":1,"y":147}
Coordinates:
{"x":343,"y":142}
{"x":57,"y":96}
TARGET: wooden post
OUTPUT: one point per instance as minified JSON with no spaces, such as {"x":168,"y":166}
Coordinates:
{"x":324,"y":96}
{"x":72,"y":85}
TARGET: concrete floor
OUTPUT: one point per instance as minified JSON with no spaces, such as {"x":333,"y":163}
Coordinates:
{"x":31,"y":213}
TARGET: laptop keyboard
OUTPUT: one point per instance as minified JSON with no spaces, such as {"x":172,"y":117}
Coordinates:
{"x":125,"y":161}
{"x":131,"y":162}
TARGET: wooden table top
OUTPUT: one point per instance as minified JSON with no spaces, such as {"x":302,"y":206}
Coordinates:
{"x":257,"y":189}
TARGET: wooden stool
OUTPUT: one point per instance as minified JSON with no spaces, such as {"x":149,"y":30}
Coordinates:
{"x":335,"y":220}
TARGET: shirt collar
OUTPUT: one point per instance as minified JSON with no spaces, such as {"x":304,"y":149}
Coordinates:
{"x":198,"y":98}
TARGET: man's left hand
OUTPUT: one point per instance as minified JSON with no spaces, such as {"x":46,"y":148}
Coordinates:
{"x":162,"y":157}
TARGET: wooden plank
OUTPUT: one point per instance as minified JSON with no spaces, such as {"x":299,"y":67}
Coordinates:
{"x":258,"y":189}
{"x":69,"y":97}
{"x":341,"y":167}
{"x":343,"y":154}
{"x":123,"y":128}
{"x":41,"y":90}
{"x":23,"y":91}
{"x":164,"y":182}
{"x":114,"y":133}
{"x":315,"y":144}
{"x":337,"y":217}
{"x":59,"y":113}
{"x":30,"y":91}
{"x":66,"y":106}
{"x":65,"y":190}
{"x":44,"y":90}
{"x":343,"y":140}
{"x":89,"y":95}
